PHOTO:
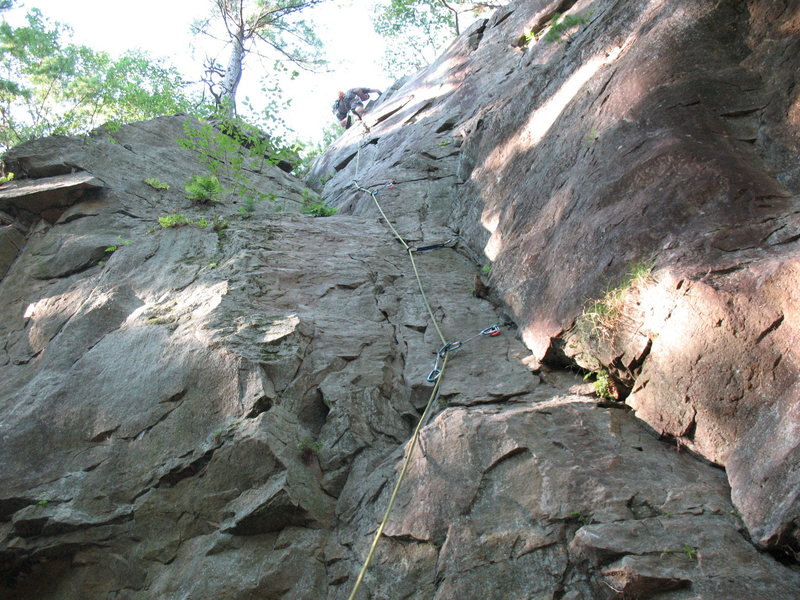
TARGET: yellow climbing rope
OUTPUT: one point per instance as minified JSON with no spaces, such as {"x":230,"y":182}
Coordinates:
{"x":411,"y":258}
{"x":400,"y":478}
{"x":428,"y":406}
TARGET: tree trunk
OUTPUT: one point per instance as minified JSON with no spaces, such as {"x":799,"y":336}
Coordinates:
{"x":233,"y":74}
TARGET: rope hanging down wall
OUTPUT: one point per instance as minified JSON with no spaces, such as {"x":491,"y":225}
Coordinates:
{"x":435,"y":376}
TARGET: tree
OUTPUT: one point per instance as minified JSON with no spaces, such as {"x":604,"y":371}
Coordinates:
{"x":421,"y":29}
{"x":48,"y":86}
{"x":249,"y":25}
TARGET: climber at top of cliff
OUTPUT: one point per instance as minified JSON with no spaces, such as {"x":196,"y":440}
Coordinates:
{"x":352,"y":101}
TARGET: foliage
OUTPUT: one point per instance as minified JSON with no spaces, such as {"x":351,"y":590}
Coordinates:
{"x":203,"y":188}
{"x":50,"y":86}
{"x":309,"y":445}
{"x":688,"y":550}
{"x":309,"y":152}
{"x":419,"y":30}
{"x":604,"y":386}
{"x":232,"y":147}
{"x":6,"y":178}
{"x":561,"y":25}
{"x":582,"y":518}
{"x":116,"y":247}
{"x":168,"y":221}
{"x":308,"y":448}
{"x":156,"y":183}
{"x":219,"y":225}
{"x":248,"y":207}
{"x":601,"y":317}
{"x":315,"y":206}
{"x":249,"y":26}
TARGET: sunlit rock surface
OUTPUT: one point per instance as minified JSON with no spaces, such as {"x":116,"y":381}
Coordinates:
{"x":221,"y":411}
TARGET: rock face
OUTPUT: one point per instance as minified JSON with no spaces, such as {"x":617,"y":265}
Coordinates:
{"x":660,"y":138}
{"x":221,"y":409}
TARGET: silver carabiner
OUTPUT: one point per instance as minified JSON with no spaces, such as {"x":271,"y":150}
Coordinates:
{"x":436,"y":371}
{"x":448,"y":348}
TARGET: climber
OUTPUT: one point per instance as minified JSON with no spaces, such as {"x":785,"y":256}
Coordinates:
{"x":352,"y":101}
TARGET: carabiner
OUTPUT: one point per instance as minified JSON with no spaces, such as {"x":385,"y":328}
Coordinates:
{"x":434,"y":375}
{"x":491,"y":331}
{"x":448,"y":348}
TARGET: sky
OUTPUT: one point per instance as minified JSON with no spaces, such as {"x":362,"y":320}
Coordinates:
{"x":162,"y":29}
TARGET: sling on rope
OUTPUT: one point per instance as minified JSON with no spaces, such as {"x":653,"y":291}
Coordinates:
{"x":448,"y":244}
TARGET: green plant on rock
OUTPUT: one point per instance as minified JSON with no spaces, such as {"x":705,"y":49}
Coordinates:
{"x":168,"y":221}
{"x":232,"y":148}
{"x":528,"y":37}
{"x":604,"y":386}
{"x":156,"y":183}
{"x":248,"y":207}
{"x":308,"y":448}
{"x":582,"y":518}
{"x":203,"y":188}
{"x":6,"y":178}
{"x":601,"y":317}
{"x":313,"y":205}
{"x":560,"y":25}
{"x":116,"y":247}
{"x":219,"y":225}
{"x":591,"y":138}
{"x":688,"y":550}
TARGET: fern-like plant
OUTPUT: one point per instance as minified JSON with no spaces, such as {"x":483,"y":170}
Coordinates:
{"x":203,"y":189}
{"x":560,"y":25}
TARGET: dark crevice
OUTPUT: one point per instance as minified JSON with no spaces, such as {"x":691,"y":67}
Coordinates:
{"x":344,"y":162}
{"x":741,"y":113}
{"x":262,"y":405}
{"x":446,"y":126}
{"x":772,"y":327}
{"x":420,"y":110}
{"x":192,"y":469}
{"x":394,"y":111}
{"x":104,"y":435}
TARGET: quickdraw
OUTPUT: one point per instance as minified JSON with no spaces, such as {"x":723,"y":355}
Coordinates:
{"x":453,"y":346}
{"x":448,"y":244}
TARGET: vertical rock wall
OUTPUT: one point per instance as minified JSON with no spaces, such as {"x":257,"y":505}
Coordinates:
{"x":221,"y":409}
{"x":658,"y":137}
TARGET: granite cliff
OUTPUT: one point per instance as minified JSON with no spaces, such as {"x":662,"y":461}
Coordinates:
{"x":221,"y":408}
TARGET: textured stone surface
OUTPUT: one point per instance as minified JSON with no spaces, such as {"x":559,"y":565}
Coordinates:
{"x":222,"y":412}
{"x":663,"y":134}
{"x":47,"y":197}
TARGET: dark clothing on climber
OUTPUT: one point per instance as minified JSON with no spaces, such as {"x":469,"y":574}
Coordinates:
{"x":352,"y":101}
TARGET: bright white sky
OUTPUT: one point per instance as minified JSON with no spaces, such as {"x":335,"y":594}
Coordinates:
{"x":161,"y":27}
